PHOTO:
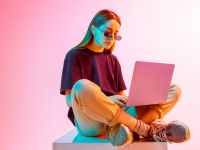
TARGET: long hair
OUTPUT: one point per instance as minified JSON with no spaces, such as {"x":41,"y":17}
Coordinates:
{"x":99,"y":19}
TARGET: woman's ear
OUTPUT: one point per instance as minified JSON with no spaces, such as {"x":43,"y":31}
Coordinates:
{"x":93,"y":30}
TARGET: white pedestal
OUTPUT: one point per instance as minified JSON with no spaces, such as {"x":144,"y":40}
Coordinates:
{"x":75,"y":141}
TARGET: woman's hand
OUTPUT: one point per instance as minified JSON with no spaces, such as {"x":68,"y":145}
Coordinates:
{"x":119,"y":100}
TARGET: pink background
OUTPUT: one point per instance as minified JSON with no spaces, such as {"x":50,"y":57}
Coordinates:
{"x":36,"y":35}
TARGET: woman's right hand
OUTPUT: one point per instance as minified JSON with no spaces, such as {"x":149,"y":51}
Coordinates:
{"x":119,"y":100}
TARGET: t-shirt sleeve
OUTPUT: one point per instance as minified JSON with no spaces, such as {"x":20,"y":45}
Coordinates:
{"x":71,"y":72}
{"x":119,"y":77}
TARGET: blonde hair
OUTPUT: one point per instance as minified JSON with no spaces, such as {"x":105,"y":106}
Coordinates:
{"x":99,"y":19}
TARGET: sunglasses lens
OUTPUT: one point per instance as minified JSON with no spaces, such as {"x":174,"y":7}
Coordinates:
{"x":106,"y":34}
{"x":118,"y":38}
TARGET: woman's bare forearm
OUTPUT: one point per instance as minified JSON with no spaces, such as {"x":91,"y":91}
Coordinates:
{"x":68,"y":97}
{"x":121,"y":93}
{"x":68,"y":100}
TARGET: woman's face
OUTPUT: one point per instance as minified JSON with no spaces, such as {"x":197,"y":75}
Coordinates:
{"x":112,"y":26}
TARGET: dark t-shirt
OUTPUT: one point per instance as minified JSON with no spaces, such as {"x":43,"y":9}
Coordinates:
{"x":101,"y":68}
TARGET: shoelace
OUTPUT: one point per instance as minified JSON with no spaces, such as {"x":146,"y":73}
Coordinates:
{"x":111,"y":133}
{"x":159,"y":134}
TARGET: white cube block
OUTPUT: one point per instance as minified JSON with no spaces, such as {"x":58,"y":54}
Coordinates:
{"x":75,"y":141}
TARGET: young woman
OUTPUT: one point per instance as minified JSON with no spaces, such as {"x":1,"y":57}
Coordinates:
{"x":93,"y":84}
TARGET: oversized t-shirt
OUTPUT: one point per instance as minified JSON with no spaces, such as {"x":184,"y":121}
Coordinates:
{"x":101,"y":68}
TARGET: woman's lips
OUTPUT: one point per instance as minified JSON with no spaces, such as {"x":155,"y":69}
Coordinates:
{"x":108,"y":43}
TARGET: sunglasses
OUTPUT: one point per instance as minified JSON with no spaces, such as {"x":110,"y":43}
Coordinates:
{"x":109,"y":35}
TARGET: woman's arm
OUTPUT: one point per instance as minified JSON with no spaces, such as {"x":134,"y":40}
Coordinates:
{"x":68,"y":97}
{"x":121,"y":93}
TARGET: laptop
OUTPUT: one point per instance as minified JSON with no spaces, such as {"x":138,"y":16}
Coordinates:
{"x":150,"y":83}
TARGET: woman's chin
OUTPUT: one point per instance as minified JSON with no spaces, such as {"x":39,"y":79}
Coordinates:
{"x":107,"y":46}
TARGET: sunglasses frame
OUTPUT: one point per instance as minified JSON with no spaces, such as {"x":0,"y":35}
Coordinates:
{"x":109,"y":35}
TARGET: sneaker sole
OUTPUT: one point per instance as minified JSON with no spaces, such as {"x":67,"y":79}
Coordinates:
{"x":119,"y":135}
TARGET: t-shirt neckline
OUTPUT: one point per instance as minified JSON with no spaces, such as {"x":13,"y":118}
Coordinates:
{"x":93,"y":51}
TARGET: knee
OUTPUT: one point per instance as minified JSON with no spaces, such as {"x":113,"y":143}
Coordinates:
{"x":81,"y":85}
{"x":177,"y":90}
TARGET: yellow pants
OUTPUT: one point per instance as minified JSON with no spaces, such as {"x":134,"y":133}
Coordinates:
{"x":93,"y":110}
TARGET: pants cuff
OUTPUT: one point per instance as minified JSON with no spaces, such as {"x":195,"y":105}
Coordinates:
{"x":116,"y":118}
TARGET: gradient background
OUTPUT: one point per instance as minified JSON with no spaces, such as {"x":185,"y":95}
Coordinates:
{"x":36,"y":35}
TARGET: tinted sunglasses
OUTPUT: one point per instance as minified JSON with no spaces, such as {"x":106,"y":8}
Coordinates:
{"x":109,"y":35}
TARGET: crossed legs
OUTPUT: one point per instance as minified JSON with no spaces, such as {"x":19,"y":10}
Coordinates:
{"x":93,"y":110}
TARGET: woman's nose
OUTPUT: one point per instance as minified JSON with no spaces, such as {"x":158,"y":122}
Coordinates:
{"x":112,"y":37}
